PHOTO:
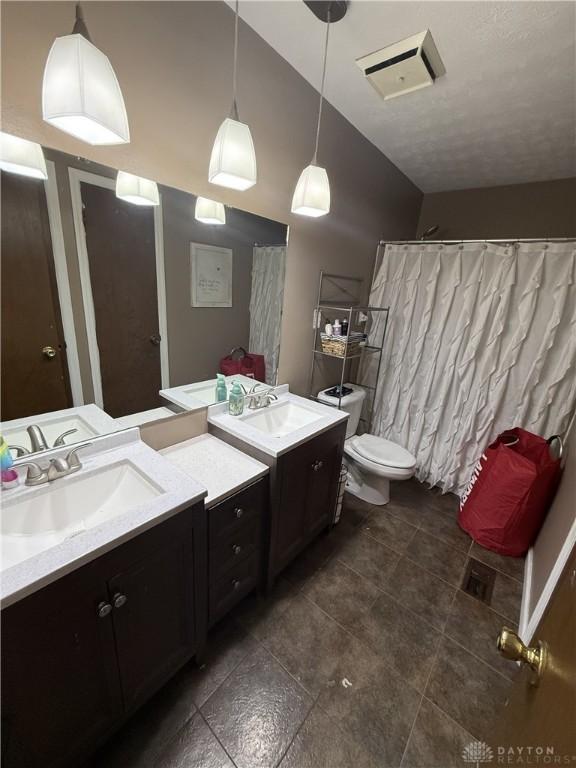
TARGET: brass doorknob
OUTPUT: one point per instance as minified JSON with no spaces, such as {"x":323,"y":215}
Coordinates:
{"x":511,"y":647}
{"x":49,"y":352}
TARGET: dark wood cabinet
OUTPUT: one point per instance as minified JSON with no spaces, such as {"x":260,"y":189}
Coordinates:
{"x":235,"y":548}
{"x":307,"y":483}
{"x":81,"y":654}
{"x":303,"y":486}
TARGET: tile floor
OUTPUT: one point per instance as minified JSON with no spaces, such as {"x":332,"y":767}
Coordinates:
{"x":366,"y":655}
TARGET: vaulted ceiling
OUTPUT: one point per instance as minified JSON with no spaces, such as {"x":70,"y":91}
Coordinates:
{"x":504,"y":113}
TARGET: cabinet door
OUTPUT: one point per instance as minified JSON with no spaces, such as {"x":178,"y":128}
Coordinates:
{"x":154,"y":617}
{"x":289,"y":526}
{"x":324,"y":463}
{"x":60,"y":688}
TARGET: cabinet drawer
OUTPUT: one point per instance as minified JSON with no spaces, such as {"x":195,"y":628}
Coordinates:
{"x":232,"y":515}
{"x":234,"y":549}
{"x":240,"y":580}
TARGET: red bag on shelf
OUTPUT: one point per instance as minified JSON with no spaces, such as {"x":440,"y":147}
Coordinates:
{"x":511,"y":489}
{"x":247,"y":364}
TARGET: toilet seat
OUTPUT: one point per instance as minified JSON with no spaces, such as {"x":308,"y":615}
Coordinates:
{"x":382,"y":452}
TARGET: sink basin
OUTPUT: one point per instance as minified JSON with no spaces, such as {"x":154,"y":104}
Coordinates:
{"x":42,"y":518}
{"x":88,"y":420}
{"x":282,"y":418}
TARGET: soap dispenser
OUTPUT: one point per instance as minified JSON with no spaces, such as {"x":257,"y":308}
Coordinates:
{"x":236,"y":400}
{"x":221,"y":390}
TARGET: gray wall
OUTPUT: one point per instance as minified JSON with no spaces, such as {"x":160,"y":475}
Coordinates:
{"x":198,"y":337}
{"x":174,"y":64}
{"x":541,"y":209}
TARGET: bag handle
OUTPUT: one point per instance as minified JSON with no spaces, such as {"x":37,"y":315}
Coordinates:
{"x":239,"y":349}
{"x":560,"y":441}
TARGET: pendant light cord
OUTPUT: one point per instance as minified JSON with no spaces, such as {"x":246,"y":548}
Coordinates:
{"x":234,"y":110}
{"x":80,"y":27}
{"x":322,"y":89}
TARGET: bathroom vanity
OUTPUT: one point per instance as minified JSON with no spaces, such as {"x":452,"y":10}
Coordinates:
{"x":237,"y":513}
{"x":302,"y":444}
{"x":109,"y":605}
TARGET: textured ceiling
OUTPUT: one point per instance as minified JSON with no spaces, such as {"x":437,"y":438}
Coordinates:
{"x":504,"y":113}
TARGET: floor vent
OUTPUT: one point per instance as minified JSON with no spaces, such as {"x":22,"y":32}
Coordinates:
{"x":479,"y":580}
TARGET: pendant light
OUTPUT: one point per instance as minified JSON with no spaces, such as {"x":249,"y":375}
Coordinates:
{"x":312,"y":193}
{"x":209,"y":211}
{"x":136,"y":190}
{"x":80,"y":92}
{"x":22,"y":157}
{"x":233,"y":160}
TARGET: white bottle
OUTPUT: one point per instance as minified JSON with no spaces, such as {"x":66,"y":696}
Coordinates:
{"x":337,"y":328}
{"x":328,"y":329}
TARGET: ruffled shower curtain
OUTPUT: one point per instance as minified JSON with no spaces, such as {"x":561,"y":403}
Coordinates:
{"x":480,"y":337}
{"x":268,"y":267}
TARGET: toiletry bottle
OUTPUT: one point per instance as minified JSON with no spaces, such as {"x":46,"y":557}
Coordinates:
{"x":337,"y":328}
{"x":345,"y":327}
{"x":221,"y":391}
{"x":9,"y":474}
{"x":236,"y":400}
{"x":328,"y":328}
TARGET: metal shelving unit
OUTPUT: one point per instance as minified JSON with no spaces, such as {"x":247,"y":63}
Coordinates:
{"x":360,"y":363}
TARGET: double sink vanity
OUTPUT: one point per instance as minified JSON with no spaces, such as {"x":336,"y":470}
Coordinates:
{"x":113,"y":573}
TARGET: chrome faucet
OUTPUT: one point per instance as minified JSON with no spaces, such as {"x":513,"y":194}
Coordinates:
{"x":260,"y":399}
{"x":58,"y":467}
{"x":37,"y":439}
{"x":38,"y":442}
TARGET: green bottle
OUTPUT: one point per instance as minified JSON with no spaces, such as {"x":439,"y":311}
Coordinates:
{"x":236,"y":400}
{"x":221,"y":391}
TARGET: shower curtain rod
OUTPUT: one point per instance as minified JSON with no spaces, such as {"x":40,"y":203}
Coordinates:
{"x":506,"y":240}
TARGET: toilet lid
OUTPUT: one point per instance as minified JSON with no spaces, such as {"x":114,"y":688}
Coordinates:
{"x":382,"y":451}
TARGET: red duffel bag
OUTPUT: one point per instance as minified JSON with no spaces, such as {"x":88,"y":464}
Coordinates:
{"x":246,"y":363}
{"x":511,"y":488}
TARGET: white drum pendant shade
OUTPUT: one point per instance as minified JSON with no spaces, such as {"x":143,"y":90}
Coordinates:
{"x":22,"y":157}
{"x":312,"y":193}
{"x":233,"y":160}
{"x":209,"y":211}
{"x":81,"y":95}
{"x":136,"y":190}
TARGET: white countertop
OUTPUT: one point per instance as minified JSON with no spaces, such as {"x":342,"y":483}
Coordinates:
{"x":199,"y":394}
{"x":178,"y":490}
{"x":273,"y":445}
{"x":222,"y":469}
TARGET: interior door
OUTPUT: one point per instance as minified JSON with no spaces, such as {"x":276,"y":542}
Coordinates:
{"x":34,"y":366}
{"x":122,"y":258}
{"x":544,"y":715}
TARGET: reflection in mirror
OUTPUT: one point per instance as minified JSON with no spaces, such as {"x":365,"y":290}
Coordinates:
{"x":114,"y":314}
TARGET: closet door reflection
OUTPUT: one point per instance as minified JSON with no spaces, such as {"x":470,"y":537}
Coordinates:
{"x":120,"y":246}
{"x":34,"y":367}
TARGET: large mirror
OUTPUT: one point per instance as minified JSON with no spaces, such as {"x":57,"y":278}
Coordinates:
{"x":116,"y":313}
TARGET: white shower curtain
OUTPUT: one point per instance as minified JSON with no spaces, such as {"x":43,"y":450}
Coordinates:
{"x":481,"y":337}
{"x":268,"y":266}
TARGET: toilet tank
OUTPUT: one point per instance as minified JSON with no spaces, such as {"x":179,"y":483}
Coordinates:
{"x":351,"y":403}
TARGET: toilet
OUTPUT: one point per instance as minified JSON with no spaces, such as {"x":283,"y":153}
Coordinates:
{"x":372,"y":461}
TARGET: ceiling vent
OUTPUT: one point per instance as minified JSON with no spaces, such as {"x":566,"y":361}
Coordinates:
{"x":406,"y":66}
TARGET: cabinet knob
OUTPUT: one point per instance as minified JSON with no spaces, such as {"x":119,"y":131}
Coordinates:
{"x":236,"y":584}
{"x":317,"y":465}
{"x":238,"y":512}
{"x":119,"y":600}
{"x":104,"y":609}
{"x":236,"y":549}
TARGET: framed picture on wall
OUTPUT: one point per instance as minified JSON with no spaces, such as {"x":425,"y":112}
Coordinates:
{"x":211,"y":276}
